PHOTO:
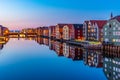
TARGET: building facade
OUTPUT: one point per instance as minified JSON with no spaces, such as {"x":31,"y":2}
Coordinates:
{"x":73,"y":32}
{"x":59,"y":31}
{"x":4,"y":31}
{"x":45,"y":31}
{"x":93,"y":30}
{"x":112,"y":31}
{"x":52,"y":31}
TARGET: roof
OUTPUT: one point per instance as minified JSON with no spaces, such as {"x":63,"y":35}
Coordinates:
{"x":116,"y":17}
{"x":100,"y":23}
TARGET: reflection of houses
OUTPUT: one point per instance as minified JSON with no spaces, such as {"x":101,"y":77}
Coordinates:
{"x":93,"y":30}
{"x":52,"y":31}
{"x":76,"y":53}
{"x":45,"y":41}
{"x":73,"y":31}
{"x":59,"y":31}
{"x":66,"y":50}
{"x":59,"y":48}
{"x":39,"y":40}
{"x":1,"y":46}
{"x":51,"y":44}
{"x":93,"y":58}
{"x":111,"y":68}
{"x":112,"y":30}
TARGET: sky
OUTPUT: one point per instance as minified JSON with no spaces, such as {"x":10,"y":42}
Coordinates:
{"x":18,"y":14}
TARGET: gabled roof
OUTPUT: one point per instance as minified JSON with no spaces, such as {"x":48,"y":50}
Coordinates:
{"x":100,"y":23}
{"x":61,"y":25}
{"x":116,"y":17}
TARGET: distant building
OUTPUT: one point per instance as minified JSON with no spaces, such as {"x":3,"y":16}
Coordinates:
{"x":45,"y":31}
{"x":3,"y":31}
{"x":73,"y":32}
{"x":52,"y":31}
{"x":40,"y":31}
{"x":93,"y":30}
{"x":28,"y":30}
{"x":112,"y":31}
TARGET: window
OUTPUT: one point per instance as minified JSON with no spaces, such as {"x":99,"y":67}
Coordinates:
{"x":113,"y":23}
{"x":108,"y":24}
{"x":119,"y":28}
{"x":114,"y":28}
{"x":116,"y":25}
{"x":77,"y":26}
{"x":116,"y":40}
{"x":114,"y":33}
{"x":105,"y":33}
{"x":113,"y":40}
{"x":105,"y":29}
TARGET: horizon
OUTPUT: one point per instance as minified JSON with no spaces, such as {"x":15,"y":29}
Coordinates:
{"x":18,"y":14}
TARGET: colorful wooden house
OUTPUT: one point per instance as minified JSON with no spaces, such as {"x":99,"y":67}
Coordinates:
{"x":93,"y":30}
{"x":73,"y":32}
{"x":59,"y":31}
{"x":111,"y":31}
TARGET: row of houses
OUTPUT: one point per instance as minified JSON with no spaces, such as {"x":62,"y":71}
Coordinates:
{"x":107,"y":31}
{"x":91,"y":30}
{"x":62,"y":31}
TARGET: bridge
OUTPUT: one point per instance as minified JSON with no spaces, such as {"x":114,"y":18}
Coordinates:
{"x":20,"y":34}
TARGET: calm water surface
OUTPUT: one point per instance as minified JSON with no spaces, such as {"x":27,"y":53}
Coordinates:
{"x":43,"y":59}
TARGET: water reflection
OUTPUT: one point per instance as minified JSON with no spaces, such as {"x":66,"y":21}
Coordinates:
{"x":76,"y":53}
{"x":2,"y":43}
{"x":90,"y":58}
{"x":93,"y":58}
{"x":111,"y":66}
